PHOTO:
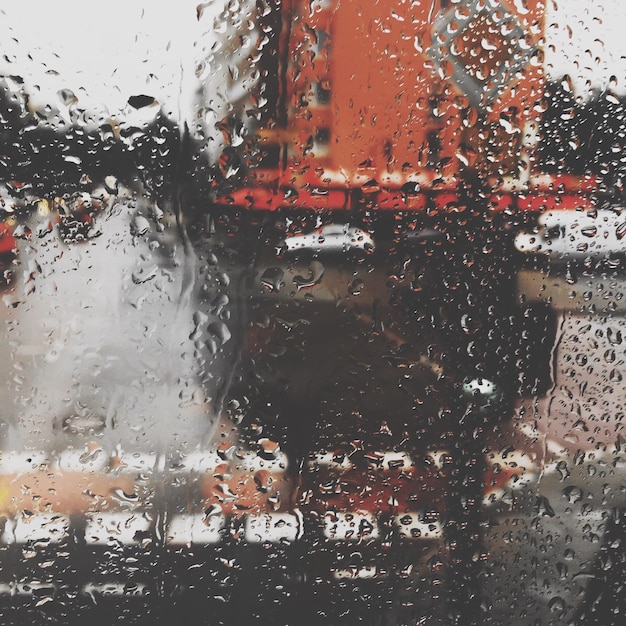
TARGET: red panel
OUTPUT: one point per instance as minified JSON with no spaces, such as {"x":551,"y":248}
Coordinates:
{"x":552,"y":202}
{"x":7,"y":241}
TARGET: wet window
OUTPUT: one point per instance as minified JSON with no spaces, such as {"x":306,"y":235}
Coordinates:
{"x":311,"y":312}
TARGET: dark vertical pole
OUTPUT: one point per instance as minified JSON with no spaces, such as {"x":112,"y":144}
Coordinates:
{"x":282,"y":108}
{"x":463,"y":521}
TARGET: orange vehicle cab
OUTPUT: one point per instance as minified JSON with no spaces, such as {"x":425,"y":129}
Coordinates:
{"x":398,"y":105}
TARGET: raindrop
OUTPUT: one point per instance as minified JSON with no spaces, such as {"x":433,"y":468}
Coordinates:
{"x":272,"y":278}
{"x":544,"y":507}
{"x":610,"y":356}
{"x":67,"y":97}
{"x":561,"y":467}
{"x":316,"y":273}
{"x":573,"y":494}
{"x":219,"y":330}
{"x":614,"y":336}
{"x":556,"y":605}
{"x":83,"y":423}
{"x":125,"y":498}
{"x":269,"y":449}
{"x":212,"y":510}
{"x":140,"y":225}
{"x":138,"y":102}
{"x":356,"y":286}
{"x":263,"y":479}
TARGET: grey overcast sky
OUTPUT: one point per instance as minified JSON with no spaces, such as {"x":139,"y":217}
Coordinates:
{"x":107,"y":50}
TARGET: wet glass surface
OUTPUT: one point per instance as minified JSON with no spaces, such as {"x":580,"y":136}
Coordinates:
{"x":312,"y":313}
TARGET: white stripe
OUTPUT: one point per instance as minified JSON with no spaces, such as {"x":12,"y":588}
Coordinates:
{"x":366,"y":572}
{"x":396,"y":460}
{"x":115,"y":589}
{"x":22,"y":462}
{"x":103,"y":589}
{"x":513,"y":460}
{"x":385,"y":459}
{"x":272,"y":527}
{"x":412,"y":526}
{"x":83,"y":461}
{"x":137,"y":462}
{"x":42,"y":527}
{"x":441,"y":458}
{"x":195,"y":529}
{"x":26,"y":588}
{"x":103,"y":528}
{"x":350,"y":526}
{"x":328,"y":459}
{"x":202,"y":461}
{"x":252,"y":462}
{"x":514,"y":483}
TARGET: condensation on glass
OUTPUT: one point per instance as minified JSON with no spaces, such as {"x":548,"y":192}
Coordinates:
{"x":312,"y":312}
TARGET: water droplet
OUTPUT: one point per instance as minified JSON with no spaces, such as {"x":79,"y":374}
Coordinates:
{"x":581,"y":359}
{"x":573,"y":494}
{"x":556,"y":605}
{"x":269,"y":449}
{"x":84,"y":422}
{"x":263,"y":479}
{"x":272,"y":278}
{"x":140,"y":225}
{"x":219,"y":330}
{"x":614,"y":336}
{"x":561,"y":467}
{"x":316,"y":273}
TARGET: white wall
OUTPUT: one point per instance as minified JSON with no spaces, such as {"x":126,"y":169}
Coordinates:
{"x":585,"y":40}
{"x":105,"y":51}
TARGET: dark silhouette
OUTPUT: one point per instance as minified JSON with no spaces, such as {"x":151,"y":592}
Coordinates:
{"x":584,"y":138}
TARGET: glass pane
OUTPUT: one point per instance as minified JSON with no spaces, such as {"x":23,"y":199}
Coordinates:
{"x":312,"y":312}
